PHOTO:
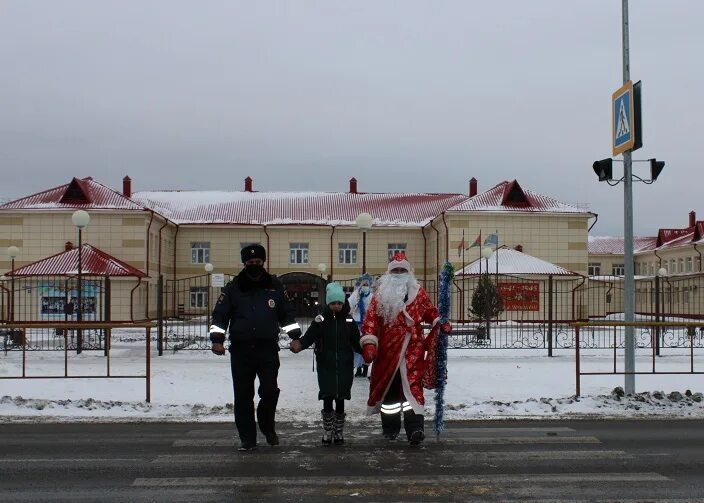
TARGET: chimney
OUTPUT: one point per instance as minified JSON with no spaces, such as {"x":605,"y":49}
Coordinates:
{"x":353,"y":185}
{"x":68,"y":246}
{"x":692,"y":219}
{"x":127,"y":186}
{"x":472,"y":187}
{"x":248,"y":184}
{"x":518,"y":248}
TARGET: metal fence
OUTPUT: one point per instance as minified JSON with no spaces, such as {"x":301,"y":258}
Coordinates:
{"x":184,"y":310}
{"x":537,"y":311}
{"x":46,"y":300}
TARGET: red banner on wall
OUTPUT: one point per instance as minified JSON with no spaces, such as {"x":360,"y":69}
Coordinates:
{"x":520,"y":296}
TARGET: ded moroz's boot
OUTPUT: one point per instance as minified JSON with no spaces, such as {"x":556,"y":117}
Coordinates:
{"x":338,"y":436}
{"x":328,"y":426}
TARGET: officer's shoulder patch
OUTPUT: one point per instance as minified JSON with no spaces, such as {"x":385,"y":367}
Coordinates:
{"x":272,"y":303}
{"x":220,"y":298}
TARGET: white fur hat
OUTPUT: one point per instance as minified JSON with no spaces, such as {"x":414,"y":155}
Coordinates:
{"x":399,"y":261}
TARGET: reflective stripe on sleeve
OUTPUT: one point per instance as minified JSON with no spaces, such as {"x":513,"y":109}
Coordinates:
{"x":290,"y":327}
{"x":214,"y":329}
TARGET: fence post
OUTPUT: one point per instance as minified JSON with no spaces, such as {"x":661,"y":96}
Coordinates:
{"x":657,"y":315}
{"x":160,"y":315}
{"x":550,"y":315}
{"x":576,"y":357}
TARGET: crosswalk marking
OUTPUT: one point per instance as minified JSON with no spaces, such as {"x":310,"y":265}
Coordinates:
{"x":409,"y":480}
{"x":322,"y":456}
{"x":228,"y":442}
{"x":218,"y":433}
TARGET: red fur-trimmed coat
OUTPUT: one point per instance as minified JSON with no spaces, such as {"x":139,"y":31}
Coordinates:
{"x":401,"y":346}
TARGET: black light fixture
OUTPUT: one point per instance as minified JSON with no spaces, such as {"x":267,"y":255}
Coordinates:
{"x":655,"y":168}
{"x":603,"y":169}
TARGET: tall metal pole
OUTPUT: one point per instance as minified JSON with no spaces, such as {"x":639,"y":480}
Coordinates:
{"x":629,"y":283}
{"x":364,"y":251}
{"x":79,"y":294}
{"x":12,"y":291}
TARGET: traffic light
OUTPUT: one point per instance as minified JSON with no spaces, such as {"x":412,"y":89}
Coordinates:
{"x":604,"y":169}
{"x":655,"y":168}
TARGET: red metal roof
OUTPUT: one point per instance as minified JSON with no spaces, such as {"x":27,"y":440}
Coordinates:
{"x":307,"y":208}
{"x":510,"y":196}
{"x":94,"y":262}
{"x":97,"y":196}
{"x":607,"y":245}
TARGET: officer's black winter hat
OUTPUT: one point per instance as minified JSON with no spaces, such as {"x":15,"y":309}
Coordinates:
{"x":253,"y":251}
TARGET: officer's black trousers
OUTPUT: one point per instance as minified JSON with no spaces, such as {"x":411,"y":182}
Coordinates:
{"x":250,"y":361}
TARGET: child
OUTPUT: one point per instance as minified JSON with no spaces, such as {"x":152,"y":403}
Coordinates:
{"x":336,"y":338}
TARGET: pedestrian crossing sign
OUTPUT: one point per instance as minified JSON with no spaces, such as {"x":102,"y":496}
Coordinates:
{"x":623,"y":119}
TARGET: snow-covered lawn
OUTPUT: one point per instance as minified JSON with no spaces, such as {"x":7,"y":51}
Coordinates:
{"x":196,"y":385}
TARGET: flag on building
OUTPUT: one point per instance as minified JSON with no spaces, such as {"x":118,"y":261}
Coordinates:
{"x":492,"y":240}
{"x":477,"y":242}
{"x":460,"y":246}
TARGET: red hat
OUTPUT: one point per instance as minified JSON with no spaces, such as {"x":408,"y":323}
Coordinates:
{"x":399,"y":261}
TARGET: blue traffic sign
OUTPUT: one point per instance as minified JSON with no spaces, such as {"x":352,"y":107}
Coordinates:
{"x":623,"y":119}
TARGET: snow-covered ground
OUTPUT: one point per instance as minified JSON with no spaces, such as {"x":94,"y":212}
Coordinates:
{"x":482,"y":384}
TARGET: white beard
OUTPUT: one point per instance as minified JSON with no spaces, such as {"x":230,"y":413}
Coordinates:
{"x":390,"y":293}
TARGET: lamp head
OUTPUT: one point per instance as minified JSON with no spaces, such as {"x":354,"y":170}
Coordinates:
{"x":364,"y":221}
{"x":208,"y":267}
{"x":12,"y":251}
{"x":80,"y":219}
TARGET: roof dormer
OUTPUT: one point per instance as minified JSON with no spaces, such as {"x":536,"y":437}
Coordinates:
{"x":77,"y":192}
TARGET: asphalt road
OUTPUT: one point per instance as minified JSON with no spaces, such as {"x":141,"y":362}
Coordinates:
{"x":473,"y":461}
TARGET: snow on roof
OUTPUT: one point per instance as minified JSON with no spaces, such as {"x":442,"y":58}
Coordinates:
{"x":308,"y":208}
{"x":509,"y":196}
{"x":93,"y":262}
{"x":608,"y":245}
{"x":514,"y":262}
{"x":98,"y":195}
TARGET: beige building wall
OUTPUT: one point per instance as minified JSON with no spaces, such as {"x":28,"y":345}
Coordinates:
{"x":560,"y":239}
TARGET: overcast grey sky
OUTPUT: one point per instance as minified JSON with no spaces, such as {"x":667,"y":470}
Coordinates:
{"x":303,"y":95}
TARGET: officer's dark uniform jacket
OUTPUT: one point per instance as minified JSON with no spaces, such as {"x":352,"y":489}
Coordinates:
{"x":253,"y":310}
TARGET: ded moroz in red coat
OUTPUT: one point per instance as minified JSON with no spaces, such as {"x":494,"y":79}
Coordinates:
{"x":401,"y":346}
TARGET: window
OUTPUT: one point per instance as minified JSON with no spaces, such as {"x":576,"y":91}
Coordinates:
{"x":199,"y":296}
{"x":651,"y":269}
{"x":299,"y":253}
{"x":396,"y":247}
{"x":347,"y":253}
{"x":594,"y":268}
{"x":617,"y":269}
{"x":689,"y":264}
{"x":200,"y":253}
{"x":673,"y":266}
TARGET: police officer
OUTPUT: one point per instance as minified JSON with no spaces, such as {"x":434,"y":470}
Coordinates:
{"x":253,"y":305}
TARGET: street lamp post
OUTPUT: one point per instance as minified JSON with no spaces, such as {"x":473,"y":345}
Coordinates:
{"x":364,"y":222}
{"x":12,"y":252}
{"x":80,"y":219}
{"x":322,"y":267}
{"x":486,"y":253}
{"x":209,"y":271}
